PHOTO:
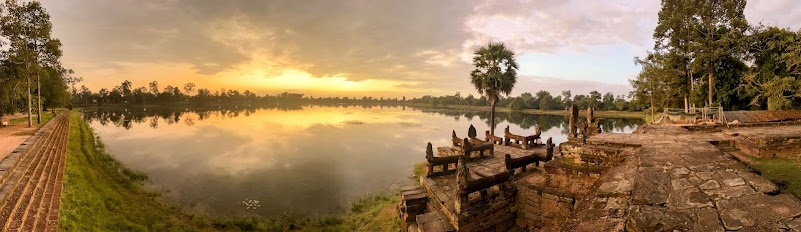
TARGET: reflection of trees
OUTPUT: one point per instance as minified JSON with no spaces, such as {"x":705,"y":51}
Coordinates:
{"x":528,"y":121}
{"x":126,"y":118}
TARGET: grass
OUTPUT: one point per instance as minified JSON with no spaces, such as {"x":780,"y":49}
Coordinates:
{"x":784,"y":172}
{"x":100,"y":194}
{"x":46,"y":116}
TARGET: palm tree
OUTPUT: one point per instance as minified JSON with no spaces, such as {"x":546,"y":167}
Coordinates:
{"x":495,"y":74}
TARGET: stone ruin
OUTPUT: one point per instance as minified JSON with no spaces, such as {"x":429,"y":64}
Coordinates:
{"x":660,"y":178}
{"x":579,"y":131}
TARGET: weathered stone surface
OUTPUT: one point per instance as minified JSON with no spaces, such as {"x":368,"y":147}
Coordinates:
{"x":682,"y":183}
{"x":705,"y":175}
{"x":758,"y":211}
{"x":688,"y":198}
{"x":709,"y":184}
{"x":708,"y":220}
{"x":651,"y":188}
{"x":730,"y":192}
{"x":734,"y":182}
{"x":759,"y":183}
{"x":795,"y":224}
{"x":606,"y":224}
{"x":654,"y":218}
{"x":681,"y":171}
{"x":613,"y":188}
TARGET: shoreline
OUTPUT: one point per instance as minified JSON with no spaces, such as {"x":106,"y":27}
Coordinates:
{"x":101,"y":194}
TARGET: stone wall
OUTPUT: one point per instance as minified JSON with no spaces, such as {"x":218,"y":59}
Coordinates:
{"x":539,"y":210}
{"x":774,"y":146}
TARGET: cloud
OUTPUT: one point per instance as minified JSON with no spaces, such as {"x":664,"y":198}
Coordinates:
{"x":418,"y":41}
{"x":555,"y":86}
{"x":553,"y":26}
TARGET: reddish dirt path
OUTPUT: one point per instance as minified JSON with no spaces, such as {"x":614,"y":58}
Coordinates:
{"x":31,"y":179}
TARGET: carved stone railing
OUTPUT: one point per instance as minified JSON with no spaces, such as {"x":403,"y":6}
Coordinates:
{"x":443,"y":162}
{"x":525,"y":141}
{"x":494,"y":139}
{"x":466,"y":186}
{"x":457,"y":142}
{"x":469,"y":148}
{"x":521,"y":162}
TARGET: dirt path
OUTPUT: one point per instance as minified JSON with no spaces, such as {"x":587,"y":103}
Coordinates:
{"x":12,"y":136}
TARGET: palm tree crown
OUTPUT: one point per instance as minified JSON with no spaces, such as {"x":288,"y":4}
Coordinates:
{"x":495,"y":74}
{"x":496,"y":70}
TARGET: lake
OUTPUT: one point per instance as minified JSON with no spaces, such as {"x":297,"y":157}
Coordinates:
{"x":311,"y":160}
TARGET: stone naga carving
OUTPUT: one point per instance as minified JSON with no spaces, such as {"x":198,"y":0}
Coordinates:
{"x":572,"y":132}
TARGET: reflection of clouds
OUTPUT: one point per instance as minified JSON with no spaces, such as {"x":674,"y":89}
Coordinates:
{"x":292,"y":161}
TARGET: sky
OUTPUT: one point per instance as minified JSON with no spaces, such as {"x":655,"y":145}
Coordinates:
{"x":355,"y":48}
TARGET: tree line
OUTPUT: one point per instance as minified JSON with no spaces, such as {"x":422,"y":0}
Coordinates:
{"x":707,"y":54}
{"x":126,"y":93}
{"x":542,"y":100}
{"x":32,"y":77}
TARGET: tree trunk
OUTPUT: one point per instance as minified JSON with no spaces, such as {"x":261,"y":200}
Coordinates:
{"x":686,"y":106}
{"x":711,"y":84}
{"x":38,"y":99}
{"x":28,"y":79}
{"x":692,"y":89}
{"x":492,"y":117}
{"x":652,"y":107}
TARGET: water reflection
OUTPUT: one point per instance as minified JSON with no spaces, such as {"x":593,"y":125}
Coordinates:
{"x":311,"y":160}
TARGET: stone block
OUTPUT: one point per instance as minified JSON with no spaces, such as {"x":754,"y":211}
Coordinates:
{"x":758,"y":211}
{"x":651,"y":188}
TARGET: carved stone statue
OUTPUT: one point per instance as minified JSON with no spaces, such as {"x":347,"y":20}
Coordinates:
{"x":572,"y":132}
{"x":471,"y":132}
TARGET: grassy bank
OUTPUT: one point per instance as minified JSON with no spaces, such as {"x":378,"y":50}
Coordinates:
{"x":100,"y":194}
{"x":46,"y":116}
{"x":785,"y":172}
{"x":603,"y":114}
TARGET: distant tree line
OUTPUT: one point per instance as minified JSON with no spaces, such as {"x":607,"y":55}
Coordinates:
{"x":32,"y":77}
{"x":126,"y":93}
{"x":542,"y":100}
{"x":706,"y":54}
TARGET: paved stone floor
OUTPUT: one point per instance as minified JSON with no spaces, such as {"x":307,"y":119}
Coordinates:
{"x":679,"y":181}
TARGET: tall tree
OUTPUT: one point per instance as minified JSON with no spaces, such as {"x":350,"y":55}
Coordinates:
{"x":495,"y":74}
{"x":28,"y":29}
{"x":774,"y":81}
{"x":718,"y":32}
{"x":673,"y":38}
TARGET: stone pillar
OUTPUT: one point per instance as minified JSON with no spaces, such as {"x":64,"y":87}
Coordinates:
{"x":549,"y":146}
{"x":572,"y":131}
{"x":462,"y":182}
{"x":429,"y":158}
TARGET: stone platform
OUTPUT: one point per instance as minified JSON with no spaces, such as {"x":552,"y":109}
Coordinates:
{"x":659,"y":178}
{"x":679,"y":180}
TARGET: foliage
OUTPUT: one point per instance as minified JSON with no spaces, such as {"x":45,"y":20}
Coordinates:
{"x":774,"y":81}
{"x":697,"y":39}
{"x":495,"y":74}
{"x":30,"y":66}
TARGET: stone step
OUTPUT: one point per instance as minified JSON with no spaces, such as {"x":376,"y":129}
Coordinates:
{"x":29,"y":190}
{"x":434,"y":222}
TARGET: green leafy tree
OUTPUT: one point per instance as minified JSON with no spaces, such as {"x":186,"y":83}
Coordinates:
{"x":495,"y":74}
{"x":32,"y":52}
{"x":774,"y":81}
{"x":718,"y":32}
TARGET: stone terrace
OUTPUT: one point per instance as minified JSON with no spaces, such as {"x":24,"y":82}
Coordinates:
{"x":679,"y":180}
{"x":660,"y":178}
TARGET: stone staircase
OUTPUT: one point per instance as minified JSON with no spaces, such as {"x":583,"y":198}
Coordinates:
{"x":31,"y":179}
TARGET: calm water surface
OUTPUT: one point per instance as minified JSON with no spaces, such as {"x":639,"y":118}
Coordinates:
{"x":312,"y":160}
